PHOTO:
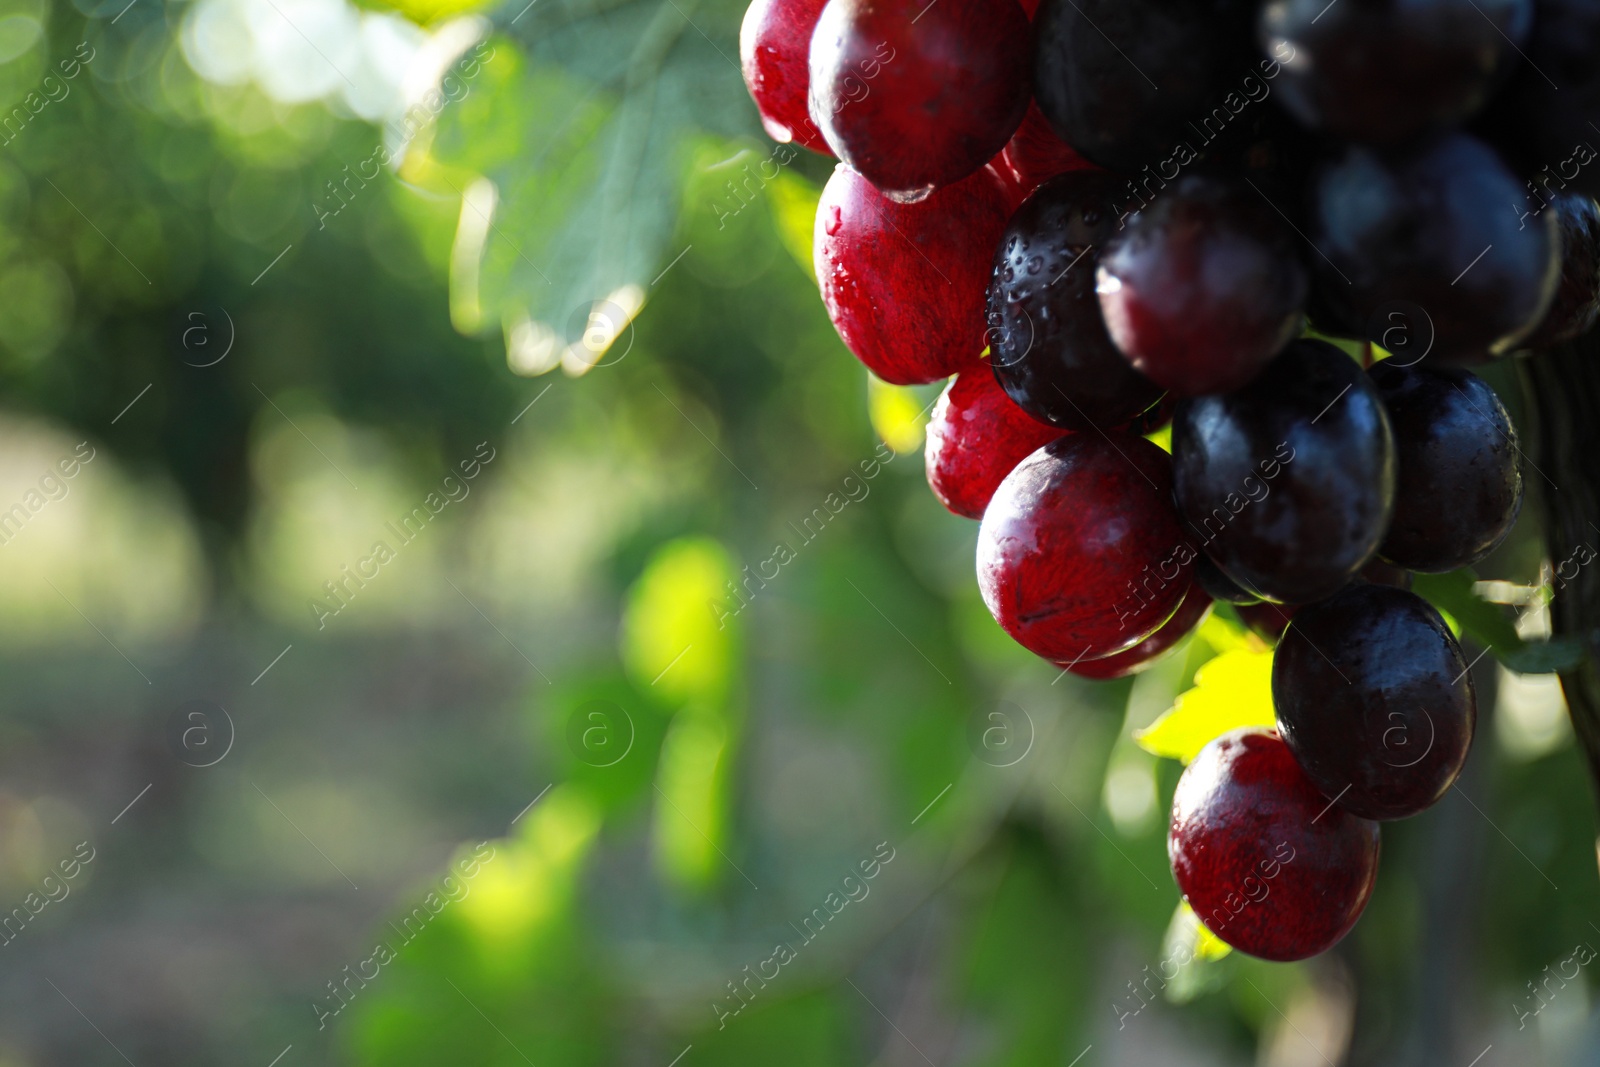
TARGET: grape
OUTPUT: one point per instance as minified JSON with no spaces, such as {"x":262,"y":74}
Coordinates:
{"x":1544,"y":118}
{"x":916,"y":95}
{"x":1576,"y":307}
{"x":1203,"y":287}
{"x":1122,"y":80}
{"x":1384,"y":71}
{"x":1047,"y":339}
{"x":904,"y":283}
{"x":1035,"y":154}
{"x":1288,"y":483}
{"x":1434,"y":227}
{"x":1374,"y":699}
{"x":774,"y":51}
{"x":1195,"y":607}
{"x":1081,"y":553}
{"x":1267,"y":864}
{"x":974,"y":438}
{"x":1459,"y":484}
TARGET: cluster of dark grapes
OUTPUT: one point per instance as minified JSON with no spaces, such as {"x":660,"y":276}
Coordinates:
{"x":1103,"y":217}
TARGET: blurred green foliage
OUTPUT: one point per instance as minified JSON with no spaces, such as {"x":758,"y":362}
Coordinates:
{"x":714,"y":775}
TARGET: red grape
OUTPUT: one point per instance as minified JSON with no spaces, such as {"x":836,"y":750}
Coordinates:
{"x":904,"y":283}
{"x":1035,"y":154}
{"x":975,"y":437}
{"x":1081,"y":553}
{"x":918,"y":94}
{"x":774,"y":53}
{"x":1266,"y":862}
{"x":1195,"y":607}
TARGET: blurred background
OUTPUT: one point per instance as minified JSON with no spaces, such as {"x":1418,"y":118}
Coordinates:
{"x":461,"y":605}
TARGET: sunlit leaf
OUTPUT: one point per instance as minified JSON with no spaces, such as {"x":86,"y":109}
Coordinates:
{"x":1488,"y":624}
{"x":691,"y":813}
{"x":529,"y":878}
{"x":794,"y":209}
{"x":898,"y":413}
{"x":1231,"y":691}
{"x":584,"y":123}
{"x":680,"y":623}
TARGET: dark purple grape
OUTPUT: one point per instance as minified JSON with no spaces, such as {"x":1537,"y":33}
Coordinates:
{"x":1123,"y":80}
{"x":1458,"y":485}
{"x":917,"y":95}
{"x":1545,"y":118}
{"x":1384,"y":71}
{"x":1432,"y":235}
{"x":1288,"y":483}
{"x":1375,"y":700}
{"x":1200,"y":289}
{"x":1576,"y":307}
{"x":1047,"y":339}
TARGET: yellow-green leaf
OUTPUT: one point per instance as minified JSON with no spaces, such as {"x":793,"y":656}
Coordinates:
{"x":794,"y":213}
{"x":691,"y":818}
{"x":1231,"y":691}
{"x":679,"y":627}
{"x":897,"y":413}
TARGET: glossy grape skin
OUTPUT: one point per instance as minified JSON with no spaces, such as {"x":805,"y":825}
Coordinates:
{"x":1219,"y":586}
{"x":1200,"y":289}
{"x":1267,"y":864}
{"x":1288,"y":483}
{"x":916,"y":96}
{"x":1576,"y":307}
{"x":1081,"y":553}
{"x":1459,"y":481}
{"x":975,"y":437}
{"x":1543,"y":118}
{"x":1048,"y":342}
{"x":1375,"y":700}
{"x":1190,"y":614}
{"x":904,"y":283}
{"x":774,"y":54}
{"x":1434,"y":227}
{"x":1384,"y":71}
{"x":1120,"y":80}
{"x":1035,"y":154}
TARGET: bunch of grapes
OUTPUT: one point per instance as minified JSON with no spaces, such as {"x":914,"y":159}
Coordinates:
{"x":1091,"y":218}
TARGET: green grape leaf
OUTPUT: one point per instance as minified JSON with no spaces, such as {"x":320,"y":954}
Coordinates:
{"x":1230,"y":691}
{"x":1487,"y":624}
{"x":582,"y":126}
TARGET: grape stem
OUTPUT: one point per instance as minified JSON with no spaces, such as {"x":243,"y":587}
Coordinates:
{"x":1562,"y":387}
